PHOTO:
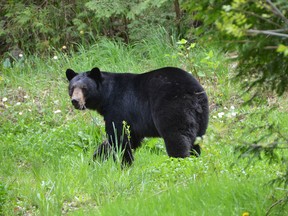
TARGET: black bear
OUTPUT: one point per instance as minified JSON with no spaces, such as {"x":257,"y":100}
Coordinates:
{"x":167,"y":102}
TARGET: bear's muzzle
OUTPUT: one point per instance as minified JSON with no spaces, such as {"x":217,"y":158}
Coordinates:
{"x":78,"y":99}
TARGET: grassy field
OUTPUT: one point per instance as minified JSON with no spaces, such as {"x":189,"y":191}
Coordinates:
{"x":46,"y":146}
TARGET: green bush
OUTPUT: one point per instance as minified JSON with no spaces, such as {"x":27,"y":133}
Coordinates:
{"x":41,"y":27}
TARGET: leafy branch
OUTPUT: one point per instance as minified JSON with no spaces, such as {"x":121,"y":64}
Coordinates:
{"x":277,"y":12}
{"x":257,"y":151}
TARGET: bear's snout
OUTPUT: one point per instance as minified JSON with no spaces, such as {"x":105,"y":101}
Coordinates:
{"x":75,"y":103}
{"x":77,"y":99}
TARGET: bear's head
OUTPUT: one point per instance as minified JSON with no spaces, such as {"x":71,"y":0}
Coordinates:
{"x":84,"y":88}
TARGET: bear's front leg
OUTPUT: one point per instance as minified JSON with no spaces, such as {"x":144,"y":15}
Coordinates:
{"x":119,"y":142}
{"x":127,"y":156}
{"x":103,"y":151}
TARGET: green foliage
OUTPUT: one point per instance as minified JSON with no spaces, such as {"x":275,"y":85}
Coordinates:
{"x":267,"y":142}
{"x":47,"y":146}
{"x":199,"y":19}
{"x":202,"y":63}
{"x":3,"y":195}
{"x":283,"y":49}
{"x":43,"y":27}
{"x":258,"y":29}
{"x":132,"y":19}
{"x":204,"y":198}
{"x":130,"y":9}
{"x":38,"y":26}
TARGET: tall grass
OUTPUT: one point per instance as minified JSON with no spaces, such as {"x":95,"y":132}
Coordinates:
{"x":46,"y":146}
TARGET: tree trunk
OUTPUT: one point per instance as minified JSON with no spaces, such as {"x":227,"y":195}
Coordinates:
{"x":178,"y":15}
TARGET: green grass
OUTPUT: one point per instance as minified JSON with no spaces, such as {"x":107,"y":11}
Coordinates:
{"x":46,"y":146}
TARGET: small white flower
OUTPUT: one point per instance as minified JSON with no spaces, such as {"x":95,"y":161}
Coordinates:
{"x":26,"y":96}
{"x":221,"y":114}
{"x":233,"y":114}
{"x":20,"y":113}
{"x":20,"y":55}
{"x":225,"y":108}
{"x":198,"y":140}
{"x":4,"y":99}
{"x":57,"y":111}
{"x":18,"y":103}
{"x":232,"y":107}
{"x":55,"y":57}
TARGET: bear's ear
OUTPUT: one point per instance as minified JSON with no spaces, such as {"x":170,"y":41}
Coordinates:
{"x":95,"y":74}
{"x":70,"y":74}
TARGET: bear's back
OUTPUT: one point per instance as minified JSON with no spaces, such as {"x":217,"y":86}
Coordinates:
{"x":166,"y":82}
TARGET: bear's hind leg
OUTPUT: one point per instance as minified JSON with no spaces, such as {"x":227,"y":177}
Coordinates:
{"x":195,"y":150}
{"x":179,"y":132}
{"x":182,"y":146}
{"x":177,"y":145}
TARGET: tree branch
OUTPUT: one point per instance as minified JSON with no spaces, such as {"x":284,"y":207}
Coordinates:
{"x":278,"y":30}
{"x":273,"y":33}
{"x":277,"y":12}
{"x":259,"y":17}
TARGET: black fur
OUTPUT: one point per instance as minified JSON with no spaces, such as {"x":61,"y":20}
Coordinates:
{"x":167,"y":103}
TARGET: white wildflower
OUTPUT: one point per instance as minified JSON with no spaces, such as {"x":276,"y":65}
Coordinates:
{"x":4,"y":99}
{"x":55,"y":57}
{"x":57,"y":111}
{"x":221,"y":114}
{"x":20,"y":113}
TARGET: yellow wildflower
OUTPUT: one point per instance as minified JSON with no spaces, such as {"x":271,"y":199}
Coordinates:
{"x":245,"y":214}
